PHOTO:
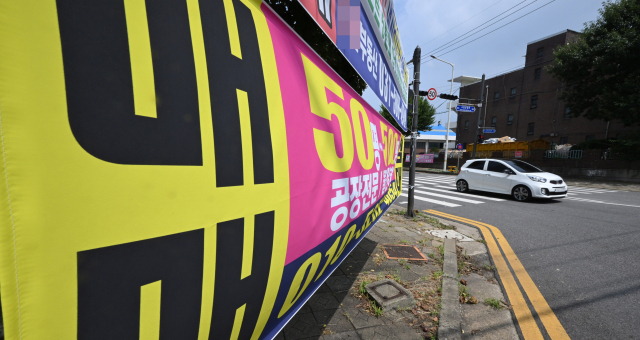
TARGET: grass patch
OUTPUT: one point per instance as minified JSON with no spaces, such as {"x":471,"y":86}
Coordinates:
{"x":404,"y":263}
{"x":495,"y":303}
{"x":464,"y":291}
{"x":488,"y":267}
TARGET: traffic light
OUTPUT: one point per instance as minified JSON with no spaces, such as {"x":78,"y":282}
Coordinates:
{"x":448,"y":96}
{"x":480,"y":139}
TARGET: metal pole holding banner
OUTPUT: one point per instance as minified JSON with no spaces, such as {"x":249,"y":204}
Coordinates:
{"x":414,"y":129}
{"x":475,"y":143}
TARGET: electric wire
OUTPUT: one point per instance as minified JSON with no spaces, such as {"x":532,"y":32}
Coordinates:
{"x":456,"y":40}
{"x":458,"y":25}
{"x":492,"y":31}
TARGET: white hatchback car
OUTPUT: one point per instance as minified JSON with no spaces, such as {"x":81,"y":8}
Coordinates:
{"x":514,"y":177}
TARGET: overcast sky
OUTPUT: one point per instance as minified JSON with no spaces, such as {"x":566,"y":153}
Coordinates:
{"x":425,"y":23}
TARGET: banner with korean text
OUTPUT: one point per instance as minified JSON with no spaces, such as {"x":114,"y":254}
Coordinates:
{"x":366,"y":33}
{"x":176,"y":170}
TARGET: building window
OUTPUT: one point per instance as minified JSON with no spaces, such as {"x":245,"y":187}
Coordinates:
{"x":567,"y":113}
{"x":466,"y":125}
{"x":407,"y":144}
{"x":509,"y":119}
{"x":421,"y":145}
{"x":536,"y":73}
{"x":513,"y":92}
{"x":564,"y":140}
{"x":540,"y":53}
{"x":590,"y":137}
{"x":496,"y":95}
{"x":494,"y":121}
{"x":530,"y":129}
{"x":534,"y":101}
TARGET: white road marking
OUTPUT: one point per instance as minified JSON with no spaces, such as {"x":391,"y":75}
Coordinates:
{"x":451,"y":191}
{"x":433,"y":201}
{"x":446,"y":196}
{"x":601,"y":202}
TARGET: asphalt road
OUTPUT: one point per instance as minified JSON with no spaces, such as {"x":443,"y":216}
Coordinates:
{"x":582,"y":252}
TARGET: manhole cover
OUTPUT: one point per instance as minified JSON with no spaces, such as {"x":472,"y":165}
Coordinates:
{"x":389,"y":294}
{"x":450,"y":234}
{"x":395,"y":252}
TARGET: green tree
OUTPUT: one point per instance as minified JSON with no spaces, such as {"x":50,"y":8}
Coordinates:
{"x":601,"y":69}
{"x":426,"y":116}
{"x":302,"y":23}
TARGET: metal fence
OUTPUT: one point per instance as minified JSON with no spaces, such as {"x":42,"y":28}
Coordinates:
{"x":563,"y":154}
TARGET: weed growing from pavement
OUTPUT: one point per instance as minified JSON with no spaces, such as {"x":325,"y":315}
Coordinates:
{"x":404,"y":242}
{"x":495,"y":303}
{"x":488,"y":267}
{"x":482,"y":241}
{"x":437,"y":274}
{"x":464,"y":292}
{"x":404,"y":263}
{"x":363,"y":285}
{"x":377,"y":310}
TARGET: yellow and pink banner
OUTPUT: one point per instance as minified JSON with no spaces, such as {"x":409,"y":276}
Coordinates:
{"x":175,"y":169}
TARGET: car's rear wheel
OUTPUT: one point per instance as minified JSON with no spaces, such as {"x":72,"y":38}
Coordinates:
{"x":462,"y":186}
{"x":521,"y":193}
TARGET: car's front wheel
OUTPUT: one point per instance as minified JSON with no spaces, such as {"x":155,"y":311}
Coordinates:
{"x":521,"y":193}
{"x":462,"y":186}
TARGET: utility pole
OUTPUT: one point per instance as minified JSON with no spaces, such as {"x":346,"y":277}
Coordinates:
{"x":475,"y":144}
{"x":414,"y":129}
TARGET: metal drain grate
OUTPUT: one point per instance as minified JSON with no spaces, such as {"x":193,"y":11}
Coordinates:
{"x":396,"y":252}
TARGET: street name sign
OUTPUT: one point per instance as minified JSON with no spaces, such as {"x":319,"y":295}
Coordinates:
{"x":489,"y":131}
{"x":465,"y":108}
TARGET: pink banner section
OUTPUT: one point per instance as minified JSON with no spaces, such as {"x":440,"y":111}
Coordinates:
{"x":342,"y":152}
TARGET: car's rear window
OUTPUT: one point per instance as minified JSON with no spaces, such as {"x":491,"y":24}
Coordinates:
{"x":521,"y":166}
{"x":478,"y":165}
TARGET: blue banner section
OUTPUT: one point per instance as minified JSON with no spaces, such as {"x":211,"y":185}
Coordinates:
{"x":302,"y":277}
{"x":370,"y":63}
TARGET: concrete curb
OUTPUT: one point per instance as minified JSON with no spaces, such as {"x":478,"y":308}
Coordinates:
{"x":449,"y":327}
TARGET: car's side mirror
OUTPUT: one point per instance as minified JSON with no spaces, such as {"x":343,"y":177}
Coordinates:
{"x":508,"y":171}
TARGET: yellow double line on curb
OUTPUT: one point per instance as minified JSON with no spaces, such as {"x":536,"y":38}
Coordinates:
{"x":523,"y":314}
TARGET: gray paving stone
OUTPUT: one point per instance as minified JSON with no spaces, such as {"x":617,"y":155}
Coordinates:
{"x":301,"y":326}
{"x":333,"y":321}
{"x":349,"y":301}
{"x":350,"y":335}
{"x":388,"y":332}
{"x":361,"y":319}
{"x":338,"y":283}
{"x":323,"y":301}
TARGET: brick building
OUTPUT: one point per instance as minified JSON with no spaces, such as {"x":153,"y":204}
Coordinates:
{"x":524,"y":103}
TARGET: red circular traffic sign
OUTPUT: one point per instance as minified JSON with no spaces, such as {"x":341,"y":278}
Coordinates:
{"x":432,"y":94}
